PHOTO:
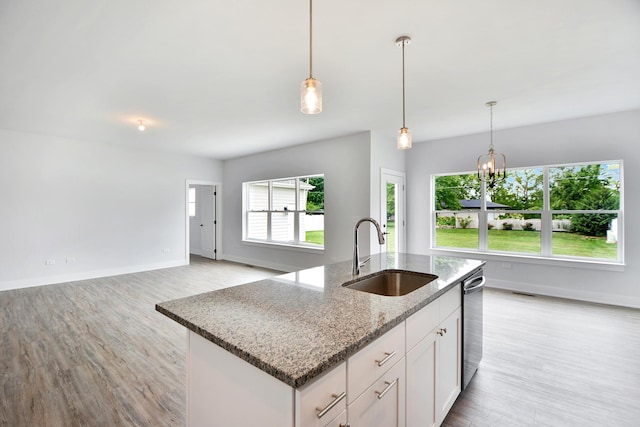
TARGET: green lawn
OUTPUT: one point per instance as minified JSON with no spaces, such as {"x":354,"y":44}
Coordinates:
{"x":315,"y":236}
{"x":570,"y":244}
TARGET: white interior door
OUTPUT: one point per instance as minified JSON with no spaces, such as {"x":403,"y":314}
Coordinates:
{"x":207,"y":210}
{"x":392,"y":209}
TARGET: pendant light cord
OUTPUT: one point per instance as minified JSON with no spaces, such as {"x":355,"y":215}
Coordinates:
{"x":311,"y":39}
{"x":403,"y":97}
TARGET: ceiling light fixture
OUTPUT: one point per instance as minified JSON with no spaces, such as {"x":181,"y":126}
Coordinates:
{"x":141,"y":127}
{"x":488,"y":170}
{"x":311,"y":94}
{"x":404,"y":135}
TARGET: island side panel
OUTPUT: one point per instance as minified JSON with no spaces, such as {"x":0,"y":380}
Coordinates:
{"x":226,"y":391}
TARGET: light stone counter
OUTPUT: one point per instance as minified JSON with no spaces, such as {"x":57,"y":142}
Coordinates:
{"x":297,"y":325}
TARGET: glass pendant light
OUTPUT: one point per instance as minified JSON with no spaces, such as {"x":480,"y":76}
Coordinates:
{"x":404,"y":135}
{"x":311,"y":93}
{"x":141,"y":126}
{"x":489,"y":171}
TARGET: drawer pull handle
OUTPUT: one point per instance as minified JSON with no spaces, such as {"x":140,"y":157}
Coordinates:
{"x":336,"y":399}
{"x":387,"y":388}
{"x":386,"y":359}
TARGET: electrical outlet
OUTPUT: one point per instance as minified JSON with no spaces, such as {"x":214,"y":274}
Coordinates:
{"x":50,"y":262}
{"x":506,"y":265}
{"x":70,"y":260}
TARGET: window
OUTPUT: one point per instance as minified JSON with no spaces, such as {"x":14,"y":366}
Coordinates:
{"x":287,"y":211}
{"x":192,"y":202}
{"x":571,"y":211}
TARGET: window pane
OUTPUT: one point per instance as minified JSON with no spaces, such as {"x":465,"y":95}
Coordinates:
{"x":257,"y":225}
{"x":586,"y":235}
{"x":585,"y":187}
{"x":284,"y":195}
{"x":522,"y":190}
{"x":312,"y":228}
{"x":192,"y":201}
{"x":457,"y":230}
{"x":258,"y":196}
{"x":514,"y":232}
{"x":312,"y":194}
{"x":455,"y":192}
{"x":282,"y":226}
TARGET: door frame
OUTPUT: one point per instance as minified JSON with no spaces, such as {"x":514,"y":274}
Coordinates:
{"x":217,"y":216}
{"x":401,"y":232}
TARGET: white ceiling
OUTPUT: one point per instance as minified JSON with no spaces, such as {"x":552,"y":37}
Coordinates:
{"x":222,"y":78}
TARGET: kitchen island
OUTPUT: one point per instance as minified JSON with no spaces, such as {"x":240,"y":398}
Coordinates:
{"x":255,"y":351}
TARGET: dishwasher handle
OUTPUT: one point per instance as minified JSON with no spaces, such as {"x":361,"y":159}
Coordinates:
{"x":472,"y":285}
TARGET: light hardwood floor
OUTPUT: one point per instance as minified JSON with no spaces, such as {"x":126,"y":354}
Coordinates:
{"x":96,"y":353}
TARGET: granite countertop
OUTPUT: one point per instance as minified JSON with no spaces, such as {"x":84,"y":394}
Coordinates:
{"x":298,"y":325}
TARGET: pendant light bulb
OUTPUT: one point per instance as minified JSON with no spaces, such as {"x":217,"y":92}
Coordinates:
{"x":404,"y":135}
{"x":141,"y":126}
{"x":311,"y":91}
{"x":404,"y":139}
{"x":311,"y":96}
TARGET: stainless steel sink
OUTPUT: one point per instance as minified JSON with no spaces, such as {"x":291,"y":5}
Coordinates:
{"x":391,"y":283}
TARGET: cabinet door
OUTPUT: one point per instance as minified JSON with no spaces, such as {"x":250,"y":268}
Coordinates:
{"x":421,"y":383}
{"x":448,"y":362}
{"x":382,"y":404}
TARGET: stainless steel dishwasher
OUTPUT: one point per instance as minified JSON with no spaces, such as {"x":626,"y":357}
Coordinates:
{"x":472,"y":325}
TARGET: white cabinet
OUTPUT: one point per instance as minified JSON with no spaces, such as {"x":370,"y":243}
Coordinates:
{"x":382,"y":404}
{"x":321,"y":402}
{"x":448,"y":364}
{"x":434,"y":363}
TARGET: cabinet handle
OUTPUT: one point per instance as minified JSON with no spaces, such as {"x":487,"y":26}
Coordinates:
{"x":386,"y":359}
{"x":387,"y":388}
{"x":442,"y":331}
{"x":344,"y":425}
{"x":336,"y":399}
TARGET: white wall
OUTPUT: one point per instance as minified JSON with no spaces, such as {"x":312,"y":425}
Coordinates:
{"x":345,"y":163}
{"x":107,"y":209}
{"x":606,"y":137}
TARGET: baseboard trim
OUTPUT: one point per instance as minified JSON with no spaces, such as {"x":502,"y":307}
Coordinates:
{"x":86,"y":275}
{"x":264,"y":264}
{"x":574,"y":294}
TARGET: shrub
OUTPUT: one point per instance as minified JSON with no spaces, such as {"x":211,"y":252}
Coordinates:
{"x":445,"y":221}
{"x":507,"y":226}
{"x":528,"y":226}
{"x":464,"y":222}
{"x":490,"y":226}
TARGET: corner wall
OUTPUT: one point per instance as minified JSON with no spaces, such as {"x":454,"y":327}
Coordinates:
{"x":96,"y":209}
{"x":605,"y":137}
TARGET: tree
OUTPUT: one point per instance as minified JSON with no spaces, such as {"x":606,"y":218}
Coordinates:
{"x":521,"y":191}
{"x":315,"y":197}
{"x":450,"y":189}
{"x":585,"y":188}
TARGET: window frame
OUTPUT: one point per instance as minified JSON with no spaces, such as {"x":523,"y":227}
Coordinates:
{"x":298,"y":210}
{"x":546,"y":214}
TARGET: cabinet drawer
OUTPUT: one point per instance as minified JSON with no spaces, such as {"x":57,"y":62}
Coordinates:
{"x":383,"y":403}
{"x":325,"y":392}
{"x":422,"y":322}
{"x":368,"y":364}
{"x":451,"y":300}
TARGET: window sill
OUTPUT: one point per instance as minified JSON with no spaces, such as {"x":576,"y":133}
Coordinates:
{"x":285,"y":246}
{"x":538,"y":260}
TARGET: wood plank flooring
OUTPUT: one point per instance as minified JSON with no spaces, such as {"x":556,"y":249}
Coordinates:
{"x":553,"y":362}
{"x":96,"y":353}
